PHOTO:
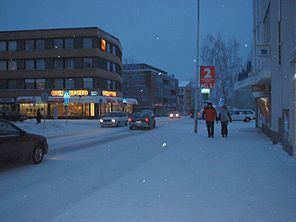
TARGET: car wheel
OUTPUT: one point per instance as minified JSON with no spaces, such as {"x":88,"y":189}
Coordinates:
{"x":248,"y":119}
{"x":37,"y":155}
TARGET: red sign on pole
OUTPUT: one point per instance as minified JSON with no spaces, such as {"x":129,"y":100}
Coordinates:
{"x":207,"y":76}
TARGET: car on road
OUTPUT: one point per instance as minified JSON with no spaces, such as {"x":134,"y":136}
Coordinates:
{"x":114,"y":118}
{"x":175,"y":115}
{"x":12,"y":116}
{"x":245,"y":115}
{"x":142,"y":120}
{"x":16,"y":144}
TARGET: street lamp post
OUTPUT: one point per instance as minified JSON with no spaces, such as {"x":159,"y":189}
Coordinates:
{"x":197,"y":70}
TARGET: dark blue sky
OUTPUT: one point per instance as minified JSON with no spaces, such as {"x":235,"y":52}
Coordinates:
{"x":158,"y":32}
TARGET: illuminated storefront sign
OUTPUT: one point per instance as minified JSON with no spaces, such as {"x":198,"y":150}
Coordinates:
{"x":109,"y":93}
{"x":72,"y":93}
{"x":103,"y":45}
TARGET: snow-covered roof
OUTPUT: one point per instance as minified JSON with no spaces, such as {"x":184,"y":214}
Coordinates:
{"x":183,"y":83}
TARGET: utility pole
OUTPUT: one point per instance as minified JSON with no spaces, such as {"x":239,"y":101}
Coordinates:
{"x":197,"y":88}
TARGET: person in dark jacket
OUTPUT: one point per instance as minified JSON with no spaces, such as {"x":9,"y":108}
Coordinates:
{"x":224,"y":117}
{"x":210,"y":115}
{"x":38,"y":116}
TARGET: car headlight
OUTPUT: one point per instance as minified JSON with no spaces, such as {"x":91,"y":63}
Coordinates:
{"x":177,"y":115}
{"x":101,"y":120}
{"x":113,"y":120}
{"x":171,"y":115}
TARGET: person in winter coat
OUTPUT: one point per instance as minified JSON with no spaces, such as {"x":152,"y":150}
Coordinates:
{"x":38,"y":116}
{"x":210,"y":115}
{"x":224,"y":117}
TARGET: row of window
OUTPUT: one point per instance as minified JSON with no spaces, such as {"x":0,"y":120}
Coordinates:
{"x":59,"y":43}
{"x":60,"y":83}
{"x":59,"y":63}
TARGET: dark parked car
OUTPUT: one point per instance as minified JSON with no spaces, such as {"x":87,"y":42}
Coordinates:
{"x":12,"y":116}
{"x":142,"y":120}
{"x":16,"y":144}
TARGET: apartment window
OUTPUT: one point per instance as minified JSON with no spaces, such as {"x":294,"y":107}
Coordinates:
{"x":58,"y":43}
{"x":3,"y":65}
{"x":40,"y":64}
{"x":3,"y":46}
{"x":58,"y":64}
{"x":109,"y":66}
{"x":11,"y":84}
{"x":3,"y":83}
{"x":114,"y":50}
{"x":29,"y":45}
{"x":87,"y":43}
{"x":113,"y":85}
{"x":40,"y":44}
{"x":12,"y":65}
{"x":29,"y":83}
{"x":87,"y":62}
{"x":58,"y":83}
{"x":30,"y":64}
{"x":69,"y":83}
{"x":11,"y":45}
{"x":40,"y":83}
{"x":113,"y":67}
{"x":69,"y":63}
{"x":69,"y":43}
{"x":88,"y":83}
{"x":108,"y":47}
{"x":109,"y":85}
{"x":266,"y":25}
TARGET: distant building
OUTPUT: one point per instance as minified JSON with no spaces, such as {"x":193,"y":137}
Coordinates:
{"x":272,"y":78}
{"x":185,"y":104}
{"x":86,"y":61}
{"x":153,"y":88}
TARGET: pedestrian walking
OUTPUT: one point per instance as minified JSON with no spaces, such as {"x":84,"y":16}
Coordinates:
{"x":38,"y":116}
{"x":224,"y":117}
{"x":210,"y":115}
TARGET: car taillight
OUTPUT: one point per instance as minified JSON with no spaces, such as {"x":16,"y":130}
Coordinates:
{"x":146,"y":120}
{"x":130,"y":119}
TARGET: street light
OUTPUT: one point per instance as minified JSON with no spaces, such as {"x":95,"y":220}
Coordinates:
{"x":197,"y":70}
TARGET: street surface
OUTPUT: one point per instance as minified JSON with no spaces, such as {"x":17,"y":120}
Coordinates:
{"x":167,"y":174}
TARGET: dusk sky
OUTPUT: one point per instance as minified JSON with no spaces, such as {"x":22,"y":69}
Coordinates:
{"x":161,"y":33}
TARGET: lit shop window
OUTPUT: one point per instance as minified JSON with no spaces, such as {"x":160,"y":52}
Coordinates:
{"x":103,"y":45}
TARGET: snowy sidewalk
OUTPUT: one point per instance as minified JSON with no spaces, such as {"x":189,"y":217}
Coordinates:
{"x":194,"y":178}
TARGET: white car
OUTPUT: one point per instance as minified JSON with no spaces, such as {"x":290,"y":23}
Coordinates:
{"x":245,"y":115}
{"x":115,"y":118}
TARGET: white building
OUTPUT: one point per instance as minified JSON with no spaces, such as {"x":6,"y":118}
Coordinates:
{"x":273,"y":78}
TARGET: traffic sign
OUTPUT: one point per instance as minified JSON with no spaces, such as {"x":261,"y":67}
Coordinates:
{"x":207,"y":76}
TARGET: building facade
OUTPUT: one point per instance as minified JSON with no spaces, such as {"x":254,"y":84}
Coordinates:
{"x":37,"y":67}
{"x":185,"y":91}
{"x":153,"y":88}
{"x":273,"y":69}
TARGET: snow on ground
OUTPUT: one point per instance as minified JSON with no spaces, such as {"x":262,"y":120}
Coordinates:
{"x":166,"y":174}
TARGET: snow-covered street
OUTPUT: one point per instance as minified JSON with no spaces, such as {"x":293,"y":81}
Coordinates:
{"x":167,"y":174}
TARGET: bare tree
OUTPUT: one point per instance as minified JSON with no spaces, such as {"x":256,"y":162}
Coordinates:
{"x":226,"y":59}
